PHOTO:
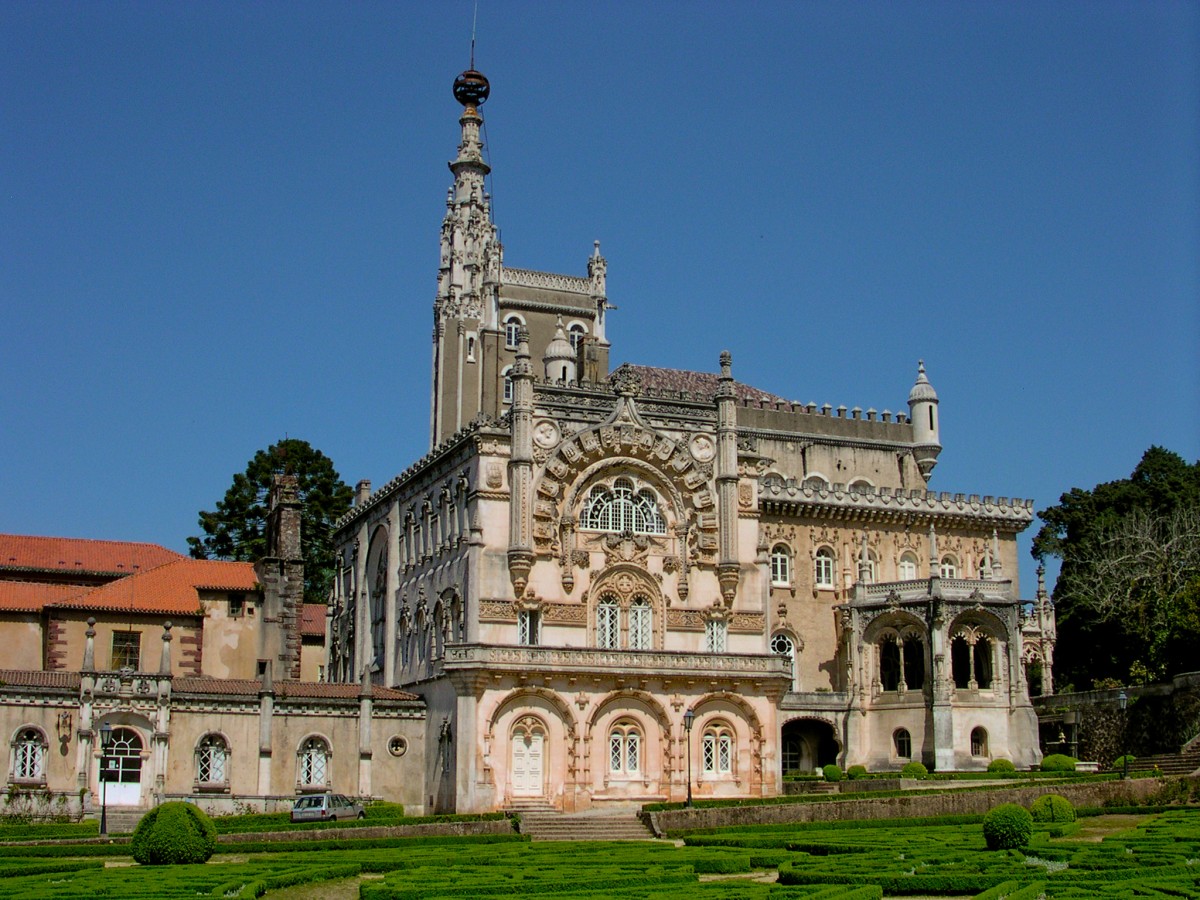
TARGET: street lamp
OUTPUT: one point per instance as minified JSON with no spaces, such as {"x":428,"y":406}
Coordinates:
{"x":105,"y":740}
{"x":1122,"y":701}
{"x":688,"y":718}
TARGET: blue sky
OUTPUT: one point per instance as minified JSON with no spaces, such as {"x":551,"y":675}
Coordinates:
{"x":219,"y":225}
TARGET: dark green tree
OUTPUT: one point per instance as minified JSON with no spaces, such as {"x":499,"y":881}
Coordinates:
{"x":1128,"y":591}
{"x":237,"y":528}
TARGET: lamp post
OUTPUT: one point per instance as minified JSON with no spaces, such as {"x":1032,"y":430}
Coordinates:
{"x":688,"y":718}
{"x":1122,"y":701}
{"x":105,"y":740}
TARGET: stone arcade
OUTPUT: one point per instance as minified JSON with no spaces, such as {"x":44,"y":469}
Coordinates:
{"x":584,"y":556}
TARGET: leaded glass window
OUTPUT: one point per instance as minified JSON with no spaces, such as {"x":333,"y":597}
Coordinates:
{"x":623,"y":507}
{"x":625,"y":749}
{"x":715,"y":631}
{"x":528,"y":627}
{"x":640,"y":621}
{"x":212,"y":757}
{"x":29,"y":763}
{"x":608,"y":628}
{"x":314,"y":762}
{"x":718,"y":750}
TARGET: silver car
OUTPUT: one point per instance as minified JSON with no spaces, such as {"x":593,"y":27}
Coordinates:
{"x":326,"y":808}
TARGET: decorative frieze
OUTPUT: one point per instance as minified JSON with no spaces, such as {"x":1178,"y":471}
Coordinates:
{"x":555,"y":660}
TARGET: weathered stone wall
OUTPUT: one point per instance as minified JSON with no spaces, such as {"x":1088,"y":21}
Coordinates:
{"x":456,"y":829}
{"x":918,"y":803}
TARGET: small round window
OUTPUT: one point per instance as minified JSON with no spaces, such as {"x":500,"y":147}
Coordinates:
{"x":397,"y":746}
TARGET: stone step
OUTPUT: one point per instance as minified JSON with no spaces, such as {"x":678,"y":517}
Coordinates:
{"x":543,"y":826}
{"x":1170,"y":763}
{"x":122,"y":820}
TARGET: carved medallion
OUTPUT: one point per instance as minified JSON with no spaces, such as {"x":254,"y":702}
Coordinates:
{"x":703,"y":448}
{"x":545,"y":434}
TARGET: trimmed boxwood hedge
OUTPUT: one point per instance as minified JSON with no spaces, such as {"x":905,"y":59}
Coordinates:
{"x":914,"y":769}
{"x":1052,"y":808}
{"x":1001,"y":767}
{"x":174,"y":833}
{"x":1058,"y":762}
{"x":832,"y":772}
{"x":1007,"y":827}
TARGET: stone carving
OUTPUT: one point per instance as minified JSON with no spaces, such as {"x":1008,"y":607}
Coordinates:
{"x":545,"y":434}
{"x":703,"y":448}
{"x":495,"y":475}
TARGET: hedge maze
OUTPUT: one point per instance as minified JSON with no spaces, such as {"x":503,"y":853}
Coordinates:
{"x":1159,"y":857}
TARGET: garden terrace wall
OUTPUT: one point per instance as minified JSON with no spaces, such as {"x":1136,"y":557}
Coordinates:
{"x":450,"y":829}
{"x":918,"y":804}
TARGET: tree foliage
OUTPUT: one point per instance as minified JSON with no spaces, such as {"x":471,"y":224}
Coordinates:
{"x":1128,"y":593}
{"x":237,"y":528}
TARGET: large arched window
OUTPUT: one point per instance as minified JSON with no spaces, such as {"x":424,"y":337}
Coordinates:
{"x":823,"y":568}
{"x":902,"y":743}
{"x":625,"y":749}
{"x":622,"y":507}
{"x":212,"y":760}
{"x":971,"y":660}
{"x":908,"y":566}
{"x":781,"y":566}
{"x":717,"y":748}
{"x":29,"y":755}
{"x":640,"y":624}
{"x":608,"y":624}
{"x":313,"y":764}
{"x":512,"y":332}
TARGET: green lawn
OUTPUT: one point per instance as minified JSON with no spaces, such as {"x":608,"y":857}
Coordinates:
{"x":1147,"y":856}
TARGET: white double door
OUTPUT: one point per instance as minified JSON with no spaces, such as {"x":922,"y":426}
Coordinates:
{"x":528,"y":763}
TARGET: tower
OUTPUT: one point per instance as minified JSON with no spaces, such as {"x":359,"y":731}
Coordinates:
{"x":468,"y":274}
{"x":923,"y":413}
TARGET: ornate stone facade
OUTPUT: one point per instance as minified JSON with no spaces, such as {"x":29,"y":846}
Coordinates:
{"x":584,"y":557}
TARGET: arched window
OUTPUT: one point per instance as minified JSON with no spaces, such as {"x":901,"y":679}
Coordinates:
{"x":889,"y":664}
{"x":575,"y":333}
{"x":608,"y":624}
{"x":640,"y":624}
{"x":908,"y":566}
{"x":781,"y":566}
{"x":783,"y":645}
{"x":508,"y":384}
{"x":29,"y":755}
{"x":717,"y":748}
{"x":212,"y":760}
{"x":313,"y":763}
{"x":914,"y":663}
{"x":625,"y":749}
{"x":512,"y":332}
{"x":823,"y":568}
{"x":948,"y":567}
{"x":623,"y":507}
{"x":978,"y":742}
{"x":872,"y":568}
{"x":716,"y":633}
{"x":971,"y":661}
{"x":902,"y":742}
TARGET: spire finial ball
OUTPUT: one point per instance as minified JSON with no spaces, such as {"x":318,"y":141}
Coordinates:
{"x":471,"y":88}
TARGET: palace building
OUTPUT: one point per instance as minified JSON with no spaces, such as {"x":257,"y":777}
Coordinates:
{"x":598,"y":581}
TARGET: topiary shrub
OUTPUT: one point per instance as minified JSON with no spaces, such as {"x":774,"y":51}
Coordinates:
{"x":1118,"y":764}
{"x":174,"y":833}
{"x":1052,"y":808}
{"x":856,"y":772}
{"x":1058,"y":762}
{"x":914,"y":769}
{"x":832,"y":772}
{"x":1001,"y":767}
{"x":1007,"y":827}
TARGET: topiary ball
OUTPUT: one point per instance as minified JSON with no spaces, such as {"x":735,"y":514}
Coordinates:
{"x":1052,"y":808}
{"x":1058,"y":762}
{"x":1118,"y":764}
{"x":174,"y":833}
{"x":856,"y":772}
{"x":1001,"y":767}
{"x":1007,"y":827}
{"x":914,"y":769}
{"x":832,"y":772}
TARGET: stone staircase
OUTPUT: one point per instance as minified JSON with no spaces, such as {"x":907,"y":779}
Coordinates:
{"x":1185,"y":762}
{"x":543,"y":822}
{"x":122,"y":819}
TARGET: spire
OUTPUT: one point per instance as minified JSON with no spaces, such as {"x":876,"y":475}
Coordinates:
{"x":559,"y":358}
{"x":923,"y":414}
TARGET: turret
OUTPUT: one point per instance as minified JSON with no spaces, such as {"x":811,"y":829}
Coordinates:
{"x":559,"y":359}
{"x":923,"y":413}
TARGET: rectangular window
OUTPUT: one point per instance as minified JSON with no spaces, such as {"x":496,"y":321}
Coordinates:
{"x":126,"y":649}
{"x":237,"y":605}
{"x":528,"y":628}
{"x":715,"y":632}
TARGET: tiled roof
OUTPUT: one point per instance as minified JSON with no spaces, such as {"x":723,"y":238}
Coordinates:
{"x":171,"y":588}
{"x":23,"y":678}
{"x":32,"y":596}
{"x":312,"y":620}
{"x":315,"y":690}
{"x":66,"y":555}
{"x":699,"y":384}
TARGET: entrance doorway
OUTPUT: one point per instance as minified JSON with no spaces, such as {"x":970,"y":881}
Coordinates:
{"x":528,"y":760}
{"x":124,"y":757}
{"x":807,"y":745}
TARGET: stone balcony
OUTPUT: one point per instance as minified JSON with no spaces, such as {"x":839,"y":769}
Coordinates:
{"x":628,"y":663}
{"x":977,"y":589}
{"x":816,"y":701}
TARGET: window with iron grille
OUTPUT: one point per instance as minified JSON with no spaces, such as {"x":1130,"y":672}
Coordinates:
{"x":608,"y":624}
{"x":212,"y":757}
{"x":640,"y":623}
{"x":29,"y":755}
{"x":314,"y":762}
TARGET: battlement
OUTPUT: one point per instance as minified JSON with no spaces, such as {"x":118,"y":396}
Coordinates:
{"x":550,"y":281}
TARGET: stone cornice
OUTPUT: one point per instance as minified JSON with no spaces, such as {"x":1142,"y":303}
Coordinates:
{"x":551,"y":281}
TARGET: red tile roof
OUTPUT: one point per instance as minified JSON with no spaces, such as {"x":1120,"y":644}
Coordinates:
{"x":309,"y":690}
{"x":171,"y":588}
{"x":699,"y":384}
{"x":32,"y":596}
{"x":66,"y":555}
{"x":22,"y":678}
{"x":312,"y":620}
